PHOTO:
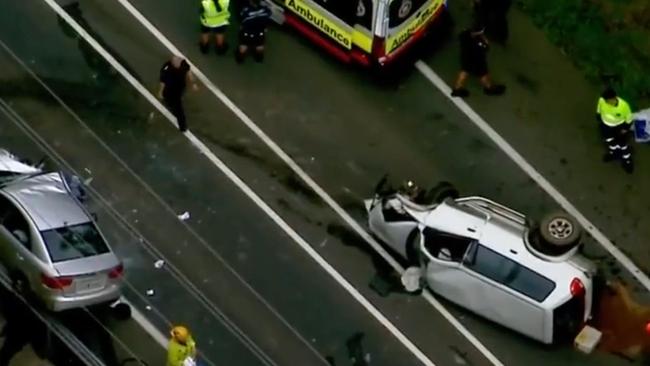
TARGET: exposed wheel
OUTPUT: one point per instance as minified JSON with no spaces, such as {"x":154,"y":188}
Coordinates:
{"x":559,"y":232}
{"x":441,"y":192}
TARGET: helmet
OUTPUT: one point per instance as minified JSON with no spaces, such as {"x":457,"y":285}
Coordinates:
{"x":180,"y":333}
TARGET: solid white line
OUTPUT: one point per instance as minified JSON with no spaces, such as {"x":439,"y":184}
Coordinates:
{"x":142,"y":320}
{"x":249,"y":192}
{"x":535,"y":175}
{"x":307,"y":179}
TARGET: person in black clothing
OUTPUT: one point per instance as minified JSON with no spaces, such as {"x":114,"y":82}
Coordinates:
{"x":473,"y":61}
{"x":493,"y":13}
{"x":254,"y":20}
{"x":174,"y":76}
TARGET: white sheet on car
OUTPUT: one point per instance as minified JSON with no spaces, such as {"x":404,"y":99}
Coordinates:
{"x":10,"y":164}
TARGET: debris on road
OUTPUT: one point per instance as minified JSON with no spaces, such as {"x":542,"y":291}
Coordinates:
{"x":587,"y":339}
{"x":411,"y":279}
{"x":184,"y":216}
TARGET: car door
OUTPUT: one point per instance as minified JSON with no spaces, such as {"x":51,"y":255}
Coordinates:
{"x":17,"y":237}
{"x":7,"y":242}
{"x":444,"y":274}
{"x":498,"y":291}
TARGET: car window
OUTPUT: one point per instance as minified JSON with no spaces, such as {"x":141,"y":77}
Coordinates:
{"x":400,"y":10}
{"x":14,"y":221}
{"x":73,"y":242}
{"x":435,"y":241}
{"x":509,"y":273}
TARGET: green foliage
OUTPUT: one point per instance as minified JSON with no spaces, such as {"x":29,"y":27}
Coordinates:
{"x":603,"y":46}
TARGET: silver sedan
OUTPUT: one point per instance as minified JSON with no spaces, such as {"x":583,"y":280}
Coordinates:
{"x":49,"y":243}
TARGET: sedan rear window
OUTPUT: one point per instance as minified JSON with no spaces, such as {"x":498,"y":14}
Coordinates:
{"x":509,"y":273}
{"x":74,"y":242}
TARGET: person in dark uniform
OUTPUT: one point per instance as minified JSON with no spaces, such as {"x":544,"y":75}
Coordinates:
{"x":473,"y":61}
{"x":254,"y":20}
{"x":174,"y":76}
{"x":493,"y":13}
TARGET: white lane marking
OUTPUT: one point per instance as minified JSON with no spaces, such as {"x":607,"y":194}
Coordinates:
{"x":142,"y":320}
{"x":249,"y":192}
{"x":236,"y":331}
{"x":307,"y":179}
{"x":534,"y":174}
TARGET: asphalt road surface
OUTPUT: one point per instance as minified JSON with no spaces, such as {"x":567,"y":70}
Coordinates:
{"x":249,"y":292}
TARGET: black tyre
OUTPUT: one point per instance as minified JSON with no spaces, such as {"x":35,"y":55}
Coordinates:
{"x":559,"y":232}
{"x":441,"y":192}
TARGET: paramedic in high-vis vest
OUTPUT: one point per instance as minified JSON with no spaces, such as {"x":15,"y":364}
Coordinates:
{"x":181,"y":350}
{"x":615,"y":117}
{"x":214,"y":18}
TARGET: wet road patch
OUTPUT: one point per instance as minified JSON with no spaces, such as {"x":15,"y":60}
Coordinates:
{"x":622,"y":320}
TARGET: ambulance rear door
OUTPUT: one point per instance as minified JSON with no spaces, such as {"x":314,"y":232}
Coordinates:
{"x":406,"y":18}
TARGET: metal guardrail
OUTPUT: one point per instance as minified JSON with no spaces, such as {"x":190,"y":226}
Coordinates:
{"x":77,"y":347}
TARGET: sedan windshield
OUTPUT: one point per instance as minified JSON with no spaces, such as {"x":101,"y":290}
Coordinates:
{"x":73,"y":242}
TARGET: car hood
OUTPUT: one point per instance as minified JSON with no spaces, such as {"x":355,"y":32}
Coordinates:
{"x":87,"y":265}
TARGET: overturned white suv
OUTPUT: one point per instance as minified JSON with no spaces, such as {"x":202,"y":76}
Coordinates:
{"x":490,"y":259}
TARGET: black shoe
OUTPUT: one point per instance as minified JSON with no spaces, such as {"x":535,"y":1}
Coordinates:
{"x":203,"y":47}
{"x":608,"y":157}
{"x":460,"y":92}
{"x":495,"y":90}
{"x":628,"y":167}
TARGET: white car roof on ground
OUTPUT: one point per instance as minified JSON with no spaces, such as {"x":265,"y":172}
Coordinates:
{"x":455,"y":219}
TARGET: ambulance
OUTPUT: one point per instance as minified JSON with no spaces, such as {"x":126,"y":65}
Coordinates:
{"x":365,"y":32}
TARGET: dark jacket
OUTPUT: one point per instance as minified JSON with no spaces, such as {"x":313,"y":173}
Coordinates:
{"x":255,"y":19}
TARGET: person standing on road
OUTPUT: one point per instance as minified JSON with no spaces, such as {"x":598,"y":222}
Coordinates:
{"x":493,"y":14}
{"x":181,"y":347}
{"x":473,"y":61}
{"x":255,"y":17}
{"x":214,"y":19}
{"x":615,"y":117}
{"x":174,"y":76}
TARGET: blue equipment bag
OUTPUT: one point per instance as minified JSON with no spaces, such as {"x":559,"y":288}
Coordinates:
{"x":641,"y":122}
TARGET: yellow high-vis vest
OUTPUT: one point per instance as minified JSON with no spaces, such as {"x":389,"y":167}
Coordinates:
{"x":212,"y":17}
{"x":613,"y":116}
